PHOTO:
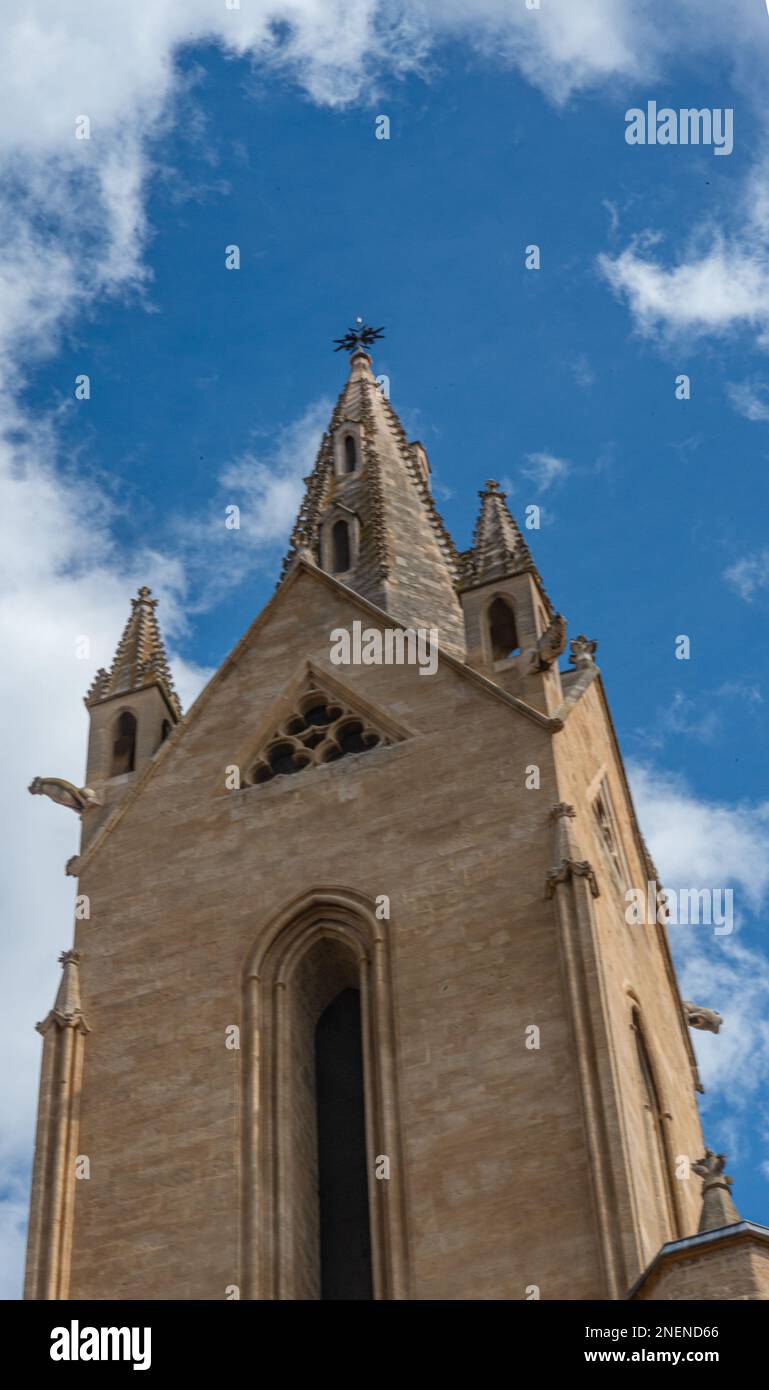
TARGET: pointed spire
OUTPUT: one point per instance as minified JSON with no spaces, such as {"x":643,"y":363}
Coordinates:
{"x":403,"y":559}
{"x":140,"y":659}
{"x":498,"y":550}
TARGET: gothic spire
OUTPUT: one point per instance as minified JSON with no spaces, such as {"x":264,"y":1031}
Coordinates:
{"x":498,"y":550}
{"x":394,"y":548}
{"x":140,"y":659}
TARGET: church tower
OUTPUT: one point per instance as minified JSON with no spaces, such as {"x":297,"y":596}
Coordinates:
{"x":354,"y":1010}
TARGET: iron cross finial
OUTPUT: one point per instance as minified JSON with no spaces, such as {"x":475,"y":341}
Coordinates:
{"x":361,"y":335}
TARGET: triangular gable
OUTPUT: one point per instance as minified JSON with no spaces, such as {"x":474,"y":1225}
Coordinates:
{"x":299,"y":567}
{"x":316,"y":720}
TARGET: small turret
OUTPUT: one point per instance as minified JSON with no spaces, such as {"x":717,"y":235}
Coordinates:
{"x":512,"y":632}
{"x":133,"y":708}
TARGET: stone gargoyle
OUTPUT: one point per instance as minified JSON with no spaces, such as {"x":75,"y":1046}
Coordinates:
{"x":64,"y":793}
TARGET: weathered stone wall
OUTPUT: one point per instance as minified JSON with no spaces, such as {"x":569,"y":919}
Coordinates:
{"x":497,"y":1181}
{"x":633,"y":969}
{"x":726,"y":1271}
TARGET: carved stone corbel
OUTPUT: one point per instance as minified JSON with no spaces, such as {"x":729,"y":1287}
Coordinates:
{"x":568,"y":868}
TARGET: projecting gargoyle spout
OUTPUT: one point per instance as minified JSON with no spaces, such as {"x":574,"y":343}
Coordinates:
{"x":698,"y":1017}
{"x":64,"y":793}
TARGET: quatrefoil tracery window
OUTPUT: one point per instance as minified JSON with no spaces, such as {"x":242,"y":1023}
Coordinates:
{"x":321,"y":729}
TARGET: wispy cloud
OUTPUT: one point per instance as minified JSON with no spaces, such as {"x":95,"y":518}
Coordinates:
{"x":699,"y":843}
{"x":750,"y":399}
{"x":266,"y":488}
{"x":750,"y":574}
{"x":582,"y":370}
{"x":545,"y":469}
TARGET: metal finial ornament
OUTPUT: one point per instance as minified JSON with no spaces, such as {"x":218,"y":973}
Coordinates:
{"x":361,"y":335}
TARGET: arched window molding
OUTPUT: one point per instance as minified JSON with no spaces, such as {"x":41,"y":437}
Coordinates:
{"x":275,"y":1198}
{"x":346,"y":453}
{"x":341,"y":548}
{"x":124,"y":735}
{"x":655,"y":1120}
{"x":350,"y":453}
{"x":501,"y":635}
{"x":328,"y":550}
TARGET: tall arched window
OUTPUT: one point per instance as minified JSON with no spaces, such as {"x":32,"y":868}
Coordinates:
{"x":502,"y":631}
{"x":340,"y":547}
{"x":343,"y":1197}
{"x":656,"y":1138}
{"x":124,"y":745}
{"x":320,"y":1109}
{"x":350,"y":454}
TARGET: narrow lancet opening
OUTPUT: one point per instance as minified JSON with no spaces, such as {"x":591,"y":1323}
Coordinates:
{"x":124,"y":745}
{"x":502,"y":630}
{"x":340,"y":547}
{"x":350,"y":454}
{"x":345,"y":1238}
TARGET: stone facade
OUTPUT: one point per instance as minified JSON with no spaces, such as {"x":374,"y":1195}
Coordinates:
{"x":528,"y":1071}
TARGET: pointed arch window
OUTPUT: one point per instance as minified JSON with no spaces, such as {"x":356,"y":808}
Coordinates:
{"x":340,"y":547}
{"x":319,"y":1074}
{"x":343,"y":1196}
{"x":656,"y":1136}
{"x":124,"y":745}
{"x":350,"y":454}
{"x":503,"y":635}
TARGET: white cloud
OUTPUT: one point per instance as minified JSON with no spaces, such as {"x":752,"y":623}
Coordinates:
{"x":698,"y":843}
{"x":750,"y":399}
{"x":716,"y":290}
{"x":545,"y":469}
{"x":267,"y":487}
{"x":72,"y":229}
{"x":583,"y":371}
{"x":750,"y":574}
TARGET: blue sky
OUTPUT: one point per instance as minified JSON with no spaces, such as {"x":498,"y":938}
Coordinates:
{"x":211,"y":387}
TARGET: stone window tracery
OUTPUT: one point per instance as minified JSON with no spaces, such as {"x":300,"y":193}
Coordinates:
{"x":321,"y":729}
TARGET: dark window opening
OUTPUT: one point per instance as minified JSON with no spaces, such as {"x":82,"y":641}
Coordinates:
{"x":350,"y":454}
{"x":124,"y":746}
{"x":340,"y":547}
{"x":345,"y":1237}
{"x":502,"y":631}
{"x":165,"y":731}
